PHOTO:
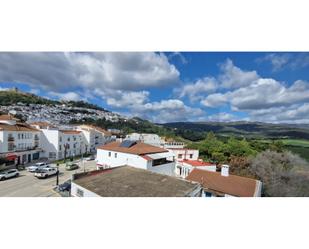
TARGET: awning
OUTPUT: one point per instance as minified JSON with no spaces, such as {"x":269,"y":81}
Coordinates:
{"x":11,"y":157}
{"x":160,"y":155}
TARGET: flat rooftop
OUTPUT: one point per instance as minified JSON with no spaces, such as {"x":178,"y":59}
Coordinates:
{"x":126,"y":181}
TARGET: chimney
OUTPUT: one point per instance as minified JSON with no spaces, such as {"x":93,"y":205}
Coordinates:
{"x":225,"y":170}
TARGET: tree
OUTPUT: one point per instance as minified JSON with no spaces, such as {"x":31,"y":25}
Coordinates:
{"x":282,"y":173}
{"x":240,"y":165}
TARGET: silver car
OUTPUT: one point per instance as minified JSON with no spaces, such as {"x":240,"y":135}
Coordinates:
{"x":8,"y":174}
{"x":37,"y":166}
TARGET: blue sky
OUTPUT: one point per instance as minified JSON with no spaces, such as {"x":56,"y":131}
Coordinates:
{"x":173,"y":86}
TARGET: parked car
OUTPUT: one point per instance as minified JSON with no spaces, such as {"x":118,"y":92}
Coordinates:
{"x":37,"y":166}
{"x":8,"y":174}
{"x":66,"y":186}
{"x":45,"y":172}
{"x":90,"y":158}
{"x":71,"y":166}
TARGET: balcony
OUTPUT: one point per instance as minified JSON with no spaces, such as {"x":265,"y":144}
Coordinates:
{"x":11,"y":139}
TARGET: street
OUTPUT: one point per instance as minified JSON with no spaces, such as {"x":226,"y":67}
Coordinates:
{"x":27,"y":185}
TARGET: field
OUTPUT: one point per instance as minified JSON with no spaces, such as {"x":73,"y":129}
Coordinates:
{"x":296,"y":142}
{"x":297,"y":146}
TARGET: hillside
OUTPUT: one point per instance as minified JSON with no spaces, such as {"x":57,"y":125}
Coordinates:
{"x":12,"y":97}
{"x":243,"y":129}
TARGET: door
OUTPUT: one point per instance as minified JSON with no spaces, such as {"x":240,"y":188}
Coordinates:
{"x":29,"y":158}
{"x":10,"y":173}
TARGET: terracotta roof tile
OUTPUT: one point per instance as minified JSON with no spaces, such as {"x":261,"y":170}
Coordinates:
{"x":8,"y":117}
{"x":70,"y":132}
{"x":232,"y":184}
{"x":17,"y":127}
{"x":97,"y":128}
{"x":42,"y":124}
{"x":197,"y":163}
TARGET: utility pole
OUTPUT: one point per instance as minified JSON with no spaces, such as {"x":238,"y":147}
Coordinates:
{"x":57,"y":179}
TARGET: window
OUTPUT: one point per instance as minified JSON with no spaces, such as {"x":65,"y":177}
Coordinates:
{"x":52,"y":155}
{"x":68,"y":139}
{"x":60,"y":139}
{"x":179,"y":156}
{"x":10,"y":147}
{"x":79,"y":192}
{"x":109,"y":154}
{"x":191,"y":156}
{"x":59,"y":147}
{"x":115,"y":155}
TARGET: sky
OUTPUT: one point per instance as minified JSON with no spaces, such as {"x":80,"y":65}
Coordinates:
{"x":170,"y":86}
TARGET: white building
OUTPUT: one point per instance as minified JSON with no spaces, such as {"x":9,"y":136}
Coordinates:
{"x":126,"y":181}
{"x":19,"y":142}
{"x":187,"y":160}
{"x":173,"y":145}
{"x":152,"y":139}
{"x":95,"y":137}
{"x":155,"y":140}
{"x":136,"y":154}
{"x":58,"y":144}
{"x":185,"y":154}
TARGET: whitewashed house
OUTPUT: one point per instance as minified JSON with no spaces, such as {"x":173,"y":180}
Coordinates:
{"x":136,"y":154}
{"x":58,"y":144}
{"x":95,"y":136}
{"x":187,"y":160}
{"x":152,"y":139}
{"x":19,"y":142}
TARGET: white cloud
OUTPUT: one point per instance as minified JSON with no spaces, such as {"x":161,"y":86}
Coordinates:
{"x":215,"y":100}
{"x":3,"y":89}
{"x":62,"y":71}
{"x":195,"y":91}
{"x":233,"y":77}
{"x":171,"y":110}
{"x":278,"y":61}
{"x":127,"y":99}
{"x":222,"y":117}
{"x":67,"y":96}
{"x":264,"y":93}
{"x":179,"y":55}
{"x":298,"y":113}
{"x":230,"y":77}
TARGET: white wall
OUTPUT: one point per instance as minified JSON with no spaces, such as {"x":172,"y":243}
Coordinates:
{"x":93,"y":138}
{"x":49,"y":142}
{"x":103,"y":159}
{"x":152,"y":139}
{"x":20,"y":143}
{"x":185,"y":154}
{"x":2,"y":149}
{"x":165,"y":169}
{"x":87,"y":193}
{"x":1,"y":142}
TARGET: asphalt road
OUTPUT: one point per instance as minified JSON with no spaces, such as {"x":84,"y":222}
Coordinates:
{"x":27,"y":185}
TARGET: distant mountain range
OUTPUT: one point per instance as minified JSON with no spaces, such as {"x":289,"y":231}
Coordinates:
{"x":246,"y":129}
